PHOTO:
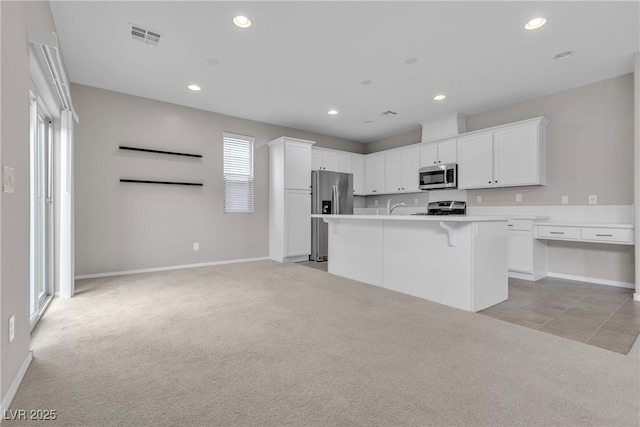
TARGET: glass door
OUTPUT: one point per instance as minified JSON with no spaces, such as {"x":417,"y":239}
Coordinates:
{"x":41,"y":212}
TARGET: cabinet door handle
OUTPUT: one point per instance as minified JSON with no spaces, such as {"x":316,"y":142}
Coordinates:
{"x":604,"y":235}
{"x":556,"y":232}
{"x":509,"y":225}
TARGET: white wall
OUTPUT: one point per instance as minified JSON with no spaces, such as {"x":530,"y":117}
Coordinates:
{"x":16,"y":19}
{"x":123,"y":227}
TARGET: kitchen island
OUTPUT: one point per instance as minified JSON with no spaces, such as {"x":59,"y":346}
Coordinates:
{"x":456,"y":260}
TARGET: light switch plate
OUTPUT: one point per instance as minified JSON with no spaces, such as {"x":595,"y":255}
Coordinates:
{"x":7,"y":179}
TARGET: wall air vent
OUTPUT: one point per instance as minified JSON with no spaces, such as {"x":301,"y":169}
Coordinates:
{"x":145,"y":35}
{"x":388,"y":113}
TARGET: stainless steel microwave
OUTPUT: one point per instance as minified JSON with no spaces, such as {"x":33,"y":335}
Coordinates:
{"x":439,"y":177}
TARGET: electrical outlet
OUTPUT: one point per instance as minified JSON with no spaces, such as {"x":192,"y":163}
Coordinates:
{"x":478,"y":199}
{"x":415,"y":201}
{"x":12,"y":328}
{"x":565,"y":200}
{"x":8,"y":180}
{"x":518,"y":197}
{"x":375,"y":202}
{"x":593,"y":199}
{"x":196,"y":246}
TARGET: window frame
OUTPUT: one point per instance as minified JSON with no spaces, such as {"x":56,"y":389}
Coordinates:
{"x":231,"y":208}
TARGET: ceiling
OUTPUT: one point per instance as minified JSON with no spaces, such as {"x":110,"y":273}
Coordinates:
{"x":300,"y":59}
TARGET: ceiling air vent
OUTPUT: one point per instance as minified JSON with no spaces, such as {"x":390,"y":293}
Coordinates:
{"x":145,"y":35}
{"x":388,"y":113}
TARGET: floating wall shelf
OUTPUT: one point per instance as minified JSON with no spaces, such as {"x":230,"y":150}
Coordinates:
{"x":141,"y":181}
{"x":147,"y":150}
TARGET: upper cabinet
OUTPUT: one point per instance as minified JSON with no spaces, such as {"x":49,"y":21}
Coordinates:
{"x":439,"y":153}
{"x":357,"y":169}
{"x":340,"y":161}
{"x":401,"y":170}
{"x":375,"y":173}
{"x":324,"y":160}
{"x":504,"y":156}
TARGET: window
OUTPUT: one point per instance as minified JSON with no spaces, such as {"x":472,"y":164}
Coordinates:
{"x":238,"y":173}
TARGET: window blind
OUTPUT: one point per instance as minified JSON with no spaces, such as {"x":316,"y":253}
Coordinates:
{"x":238,"y":174}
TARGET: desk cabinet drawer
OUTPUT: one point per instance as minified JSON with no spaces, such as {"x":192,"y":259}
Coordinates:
{"x":622,"y":235}
{"x":520,"y":224}
{"x":555,"y":232}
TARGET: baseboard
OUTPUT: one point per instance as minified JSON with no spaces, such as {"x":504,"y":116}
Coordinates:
{"x":525,"y":276}
{"x":171,"y":267}
{"x":6,"y":402}
{"x":592,"y":280}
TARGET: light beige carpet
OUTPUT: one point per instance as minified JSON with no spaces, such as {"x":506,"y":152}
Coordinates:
{"x":267,"y":344}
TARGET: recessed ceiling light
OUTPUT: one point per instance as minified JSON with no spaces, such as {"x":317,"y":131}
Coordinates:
{"x":194,"y":87}
{"x":411,"y":60}
{"x":368,"y":122}
{"x":366,"y":82}
{"x":242,"y":21}
{"x":332,"y":112}
{"x":535,"y":23}
{"x":213,"y":62}
{"x":563,"y":55}
{"x":439,"y":97}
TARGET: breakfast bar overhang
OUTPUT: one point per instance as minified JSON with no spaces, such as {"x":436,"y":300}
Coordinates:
{"x":459,"y":261}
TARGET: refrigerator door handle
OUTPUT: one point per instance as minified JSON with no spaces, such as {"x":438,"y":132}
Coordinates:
{"x":334,"y":197}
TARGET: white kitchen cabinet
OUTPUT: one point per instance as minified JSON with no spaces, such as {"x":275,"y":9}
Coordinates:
{"x":504,"y":156}
{"x":620,"y":234}
{"x":527,"y":257}
{"x":289,"y":199}
{"x":345,"y":162}
{"x":340,"y":161}
{"x":375,"y":173}
{"x":439,"y":153}
{"x":475,"y":161}
{"x":393,"y":172}
{"x":297,"y":223}
{"x":324,"y":160}
{"x":401,"y":170}
{"x":357,"y":169}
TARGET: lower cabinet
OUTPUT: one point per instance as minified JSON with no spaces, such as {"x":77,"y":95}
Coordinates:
{"x":297,"y":223}
{"x":527,"y":257}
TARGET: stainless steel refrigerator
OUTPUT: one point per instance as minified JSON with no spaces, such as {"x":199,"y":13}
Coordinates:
{"x":331,"y":193}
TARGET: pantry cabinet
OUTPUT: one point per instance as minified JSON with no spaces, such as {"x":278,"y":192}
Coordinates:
{"x":504,"y":156}
{"x":289,"y":199}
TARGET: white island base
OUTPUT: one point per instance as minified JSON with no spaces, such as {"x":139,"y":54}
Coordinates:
{"x":459,"y":261}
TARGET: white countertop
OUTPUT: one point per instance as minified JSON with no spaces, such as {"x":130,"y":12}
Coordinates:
{"x":583,"y":224}
{"x":438,"y":218}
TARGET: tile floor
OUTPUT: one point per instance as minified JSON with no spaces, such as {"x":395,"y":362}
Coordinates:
{"x":598,"y":315}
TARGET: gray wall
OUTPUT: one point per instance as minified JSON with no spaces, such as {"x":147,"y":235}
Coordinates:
{"x":122,"y":226}
{"x":16,"y":19}
{"x":413,"y":136}
{"x":589,"y":145}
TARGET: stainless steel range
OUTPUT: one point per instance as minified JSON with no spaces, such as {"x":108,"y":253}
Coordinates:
{"x":449,"y":207}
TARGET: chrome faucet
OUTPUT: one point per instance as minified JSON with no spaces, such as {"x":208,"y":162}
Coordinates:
{"x":391,"y":208}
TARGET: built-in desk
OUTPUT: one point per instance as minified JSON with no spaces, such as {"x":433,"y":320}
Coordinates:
{"x":619,"y":234}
